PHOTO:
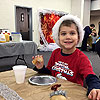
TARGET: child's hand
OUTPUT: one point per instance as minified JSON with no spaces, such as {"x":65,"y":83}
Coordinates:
{"x":94,"y":94}
{"x":38,"y":61}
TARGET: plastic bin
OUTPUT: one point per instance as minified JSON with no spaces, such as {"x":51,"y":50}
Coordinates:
{"x":16,"y":37}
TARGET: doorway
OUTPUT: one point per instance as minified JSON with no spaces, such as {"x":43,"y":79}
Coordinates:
{"x":24,"y":22}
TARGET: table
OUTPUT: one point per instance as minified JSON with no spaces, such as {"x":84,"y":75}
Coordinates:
{"x":34,"y":92}
{"x":19,"y":49}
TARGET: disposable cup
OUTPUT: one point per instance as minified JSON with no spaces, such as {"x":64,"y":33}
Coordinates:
{"x":19,"y":71}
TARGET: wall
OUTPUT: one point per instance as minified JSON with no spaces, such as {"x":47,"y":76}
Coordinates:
{"x":81,"y":8}
{"x":76,"y":7}
{"x":95,"y":5}
{"x":95,"y":13}
{"x":95,"y":20}
{"x":86,"y":12}
{"x":7,"y":12}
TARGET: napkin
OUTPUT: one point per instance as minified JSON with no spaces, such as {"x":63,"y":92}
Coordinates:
{"x":8,"y":93}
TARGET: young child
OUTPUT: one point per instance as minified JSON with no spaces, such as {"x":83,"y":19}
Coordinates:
{"x":68,"y":62}
{"x":94,"y":38}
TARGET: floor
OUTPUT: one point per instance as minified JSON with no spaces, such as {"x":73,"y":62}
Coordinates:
{"x":95,"y":60}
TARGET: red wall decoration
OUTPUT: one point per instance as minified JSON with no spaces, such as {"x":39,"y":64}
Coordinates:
{"x":48,"y":19}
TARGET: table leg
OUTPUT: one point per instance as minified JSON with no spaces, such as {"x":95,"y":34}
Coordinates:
{"x":20,"y":58}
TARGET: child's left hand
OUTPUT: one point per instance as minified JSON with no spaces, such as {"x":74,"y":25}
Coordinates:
{"x":94,"y":94}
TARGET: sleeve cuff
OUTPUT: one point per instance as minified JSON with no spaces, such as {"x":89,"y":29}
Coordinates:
{"x":92,"y":82}
{"x":43,"y":70}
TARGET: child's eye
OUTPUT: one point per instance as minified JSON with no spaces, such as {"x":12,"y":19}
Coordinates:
{"x":63,"y":33}
{"x":72,"y":33}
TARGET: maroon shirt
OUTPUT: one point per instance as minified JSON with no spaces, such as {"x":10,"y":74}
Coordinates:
{"x":74,"y":67}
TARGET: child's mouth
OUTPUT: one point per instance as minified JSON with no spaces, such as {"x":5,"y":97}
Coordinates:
{"x":68,"y":42}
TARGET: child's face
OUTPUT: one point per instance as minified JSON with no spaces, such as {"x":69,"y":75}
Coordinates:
{"x":92,"y":34}
{"x":68,"y":37}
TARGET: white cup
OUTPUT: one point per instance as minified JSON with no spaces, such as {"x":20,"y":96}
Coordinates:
{"x":19,"y":71}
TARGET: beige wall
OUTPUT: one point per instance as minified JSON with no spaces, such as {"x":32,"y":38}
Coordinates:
{"x":95,"y":20}
{"x":81,"y":8}
{"x":95,"y":13}
{"x":86,"y":12}
{"x":7,"y":12}
{"x":76,"y":7}
{"x":95,"y":5}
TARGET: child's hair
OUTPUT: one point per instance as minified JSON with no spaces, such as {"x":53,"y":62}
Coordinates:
{"x":69,"y":23}
{"x":95,"y":34}
{"x":94,"y":31}
{"x":92,"y":25}
{"x":67,"y":20}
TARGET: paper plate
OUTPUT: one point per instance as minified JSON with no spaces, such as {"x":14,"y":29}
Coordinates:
{"x":42,"y":80}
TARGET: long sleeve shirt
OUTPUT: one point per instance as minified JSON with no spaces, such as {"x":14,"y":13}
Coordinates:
{"x":75,"y":67}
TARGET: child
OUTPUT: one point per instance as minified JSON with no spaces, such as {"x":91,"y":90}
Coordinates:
{"x":94,"y":38}
{"x":68,"y":62}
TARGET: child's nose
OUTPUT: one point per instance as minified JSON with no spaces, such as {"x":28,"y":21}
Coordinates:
{"x":68,"y":35}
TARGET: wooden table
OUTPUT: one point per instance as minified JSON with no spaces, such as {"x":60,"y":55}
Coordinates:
{"x":34,"y":92}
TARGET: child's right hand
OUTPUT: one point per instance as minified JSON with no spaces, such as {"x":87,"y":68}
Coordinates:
{"x":38,"y":61}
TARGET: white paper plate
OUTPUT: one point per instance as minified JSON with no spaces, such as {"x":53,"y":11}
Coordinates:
{"x":42,"y":80}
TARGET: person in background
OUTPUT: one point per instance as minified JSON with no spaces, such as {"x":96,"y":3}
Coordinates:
{"x":68,"y":62}
{"x":97,"y":46}
{"x":87,"y":30}
{"x":99,"y":29}
{"x":94,"y":38}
